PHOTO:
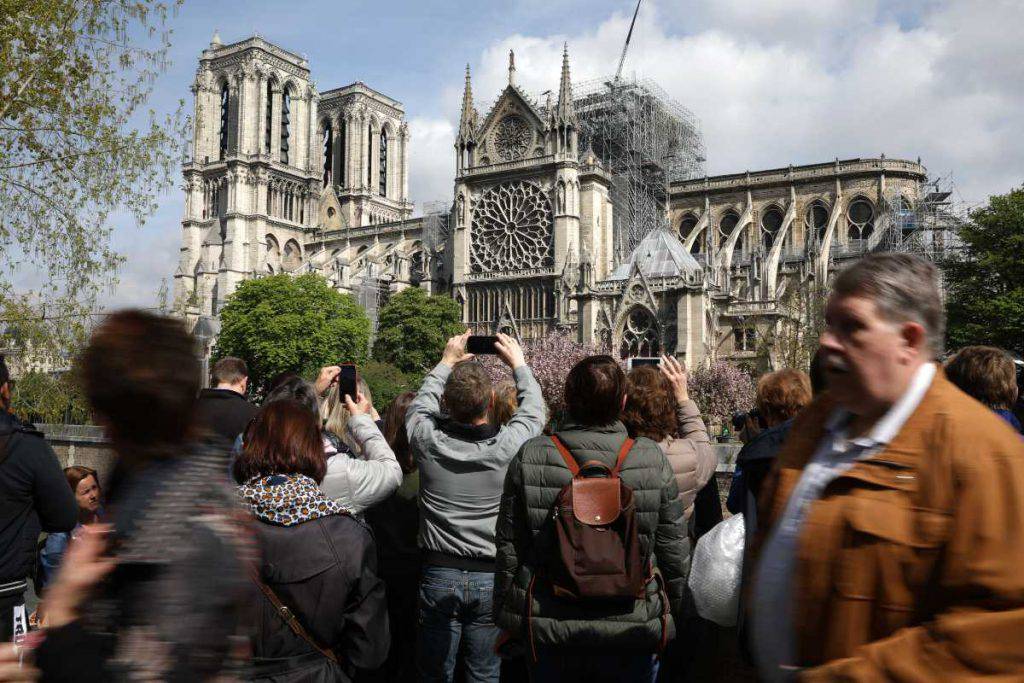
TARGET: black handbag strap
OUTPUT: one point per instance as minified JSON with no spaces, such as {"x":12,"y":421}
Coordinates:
{"x":293,"y":622}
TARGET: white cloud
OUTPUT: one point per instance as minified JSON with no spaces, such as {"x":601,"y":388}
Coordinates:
{"x":802,"y":81}
{"x":431,"y":160}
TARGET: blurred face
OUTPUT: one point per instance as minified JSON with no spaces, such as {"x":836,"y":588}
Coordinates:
{"x":868,"y":360}
{"x":88,"y":495}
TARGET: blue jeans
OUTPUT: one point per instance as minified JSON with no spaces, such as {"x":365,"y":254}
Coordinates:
{"x":593,"y":666}
{"x":454,"y":607}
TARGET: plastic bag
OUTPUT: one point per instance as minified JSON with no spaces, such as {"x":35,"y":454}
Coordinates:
{"x":717,"y":570}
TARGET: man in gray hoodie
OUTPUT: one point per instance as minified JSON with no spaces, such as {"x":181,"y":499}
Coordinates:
{"x":462,"y":458}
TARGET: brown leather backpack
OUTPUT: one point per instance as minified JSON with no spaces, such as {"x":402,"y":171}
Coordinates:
{"x":597,"y":549}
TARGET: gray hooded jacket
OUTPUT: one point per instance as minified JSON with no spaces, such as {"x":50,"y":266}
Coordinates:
{"x":461,"y":478}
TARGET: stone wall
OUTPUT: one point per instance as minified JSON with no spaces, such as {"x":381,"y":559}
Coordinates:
{"x":84,"y":445}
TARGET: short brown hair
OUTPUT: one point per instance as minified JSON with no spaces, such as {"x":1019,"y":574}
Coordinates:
{"x":229,"y":370}
{"x":506,"y":402}
{"x":467,"y":393}
{"x":903,"y":287}
{"x":76,"y":474}
{"x":593,"y":391}
{"x":284,"y":438}
{"x":141,"y":373}
{"x":986,"y":374}
{"x":650,"y":404}
{"x":394,"y":431}
{"x":782,"y":394}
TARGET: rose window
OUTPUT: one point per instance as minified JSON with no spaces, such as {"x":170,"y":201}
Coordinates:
{"x":511,"y":229}
{"x":512,"y":138}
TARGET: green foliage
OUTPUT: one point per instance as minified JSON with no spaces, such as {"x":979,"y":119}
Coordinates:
{"x":386,"y":382}
{"x":76,"y":141}
{"x":280,"y":322}
{"x":51,"y":398}
{"x":413,"y":327}
{"x":985,"y":283}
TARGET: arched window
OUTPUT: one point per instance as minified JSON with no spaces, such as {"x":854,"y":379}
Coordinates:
{"x":640,"y":335}
{"x":342,"y":128}
{"x":292,"y":257}
{"x":383,"y":163}
{"x":861,"y":219}
{"x":286,"y":106}
{"x":416,"y":271}
{"x":328,"y":153}
{"x":771,"y":221}
{"x":816,"y":222}
{"x":369,"y":156}
{"x":686,"y":226}
{"x":225,"y":106}
{"x":725,"y":228}
{"x":273,"y":254}
{"x":268,"y":127}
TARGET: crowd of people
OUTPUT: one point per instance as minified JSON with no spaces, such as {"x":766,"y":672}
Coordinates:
{"x":467,"y":534}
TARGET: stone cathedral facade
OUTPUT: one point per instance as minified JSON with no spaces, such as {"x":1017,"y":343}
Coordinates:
{"x":283,"y":178}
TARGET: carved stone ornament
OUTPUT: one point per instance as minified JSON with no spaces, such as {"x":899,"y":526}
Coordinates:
{"x":511,"y":229}
{"x":512,"y":137}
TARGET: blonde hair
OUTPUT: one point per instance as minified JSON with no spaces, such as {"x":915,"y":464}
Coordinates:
{"x":335,"y":415}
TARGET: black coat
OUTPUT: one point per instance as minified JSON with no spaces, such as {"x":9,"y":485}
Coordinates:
{"x":224,"y":412}
{"x":34,"y":495}
{"x":325,"y":571}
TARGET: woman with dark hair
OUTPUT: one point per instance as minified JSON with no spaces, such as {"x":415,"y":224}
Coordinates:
{"x":317,"y":562}
{"x":395,"y":524}
{"x":658,"y":406}
{"x":85,"y":485}
{"x":159,"y":593}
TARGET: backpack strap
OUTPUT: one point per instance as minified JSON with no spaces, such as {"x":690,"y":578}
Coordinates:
{"x":570,"y":461}
{"x":293,"y":621}
{"x":627,"y":446}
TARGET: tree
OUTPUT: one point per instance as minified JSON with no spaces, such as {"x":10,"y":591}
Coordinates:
{"x":413,"y":327}
{"x":550,"y":358}
{"x":50,"y":398}
{"x":720,"y":390}
{"x":386,"y":382}
{"x":792,"y":340}
{"x":76,"y":142}
{"x":279,"y":322}
{"x":985,"y":281}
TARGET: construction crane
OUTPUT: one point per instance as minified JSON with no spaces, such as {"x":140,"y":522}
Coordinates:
{"x":622,"y":59}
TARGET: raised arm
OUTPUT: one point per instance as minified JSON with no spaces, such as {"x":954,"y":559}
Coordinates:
{"x":528,"y":421}
{"x":427,"y":404}
{"x":690,"y":425}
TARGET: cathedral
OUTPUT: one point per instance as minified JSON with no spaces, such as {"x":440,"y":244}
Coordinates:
{"x":588,"y":213}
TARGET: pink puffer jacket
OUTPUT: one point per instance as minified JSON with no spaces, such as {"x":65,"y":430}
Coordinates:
{"x":690,"y":454}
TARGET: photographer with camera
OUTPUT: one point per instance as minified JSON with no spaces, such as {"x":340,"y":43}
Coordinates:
{"x":462,"y":458}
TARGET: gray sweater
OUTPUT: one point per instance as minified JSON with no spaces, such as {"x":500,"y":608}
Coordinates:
{"x":461,"y":479}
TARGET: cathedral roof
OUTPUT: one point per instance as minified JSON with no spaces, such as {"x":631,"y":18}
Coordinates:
{"x":660,"y":254}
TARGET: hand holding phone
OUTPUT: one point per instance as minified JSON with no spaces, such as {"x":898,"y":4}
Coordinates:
{"x":482,"y":345}
{"x":348,"y":380}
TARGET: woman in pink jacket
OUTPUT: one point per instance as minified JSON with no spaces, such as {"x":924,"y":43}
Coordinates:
{"x":659,"y":407}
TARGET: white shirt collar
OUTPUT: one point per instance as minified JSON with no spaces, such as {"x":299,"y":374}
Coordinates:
{"x":889,"y":425}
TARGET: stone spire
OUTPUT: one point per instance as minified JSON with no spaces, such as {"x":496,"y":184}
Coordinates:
{"x":216,"y":41}
{"x":467,"y":124}
{"x":511,"y":67}
{"x":566,"y":110}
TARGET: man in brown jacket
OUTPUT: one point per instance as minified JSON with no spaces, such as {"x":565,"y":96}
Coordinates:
{"x":895,"y":518}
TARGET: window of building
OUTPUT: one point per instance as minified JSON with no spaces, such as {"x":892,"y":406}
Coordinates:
{"x":725,"y":227}
{"x":269,"y":125}
{"x":369,"y":156}
{"x":341,"y":153}
{"x":744,"y":338}
{"x":640,"y":335}
{"x":771,"y":222}
{"x":817,"y":222}
{"x":861,"y":219}
{"x":686,"y":226}
{"x":328,"y":153}
{"x":383,"y":163}
{"x":286,"y":106}
{"x":225,"y":106}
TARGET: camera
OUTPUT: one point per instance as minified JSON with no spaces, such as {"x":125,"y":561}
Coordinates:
{"x":739,"y":420}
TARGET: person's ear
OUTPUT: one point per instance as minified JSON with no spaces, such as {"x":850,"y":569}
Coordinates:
{"x":245,"y":384}
{"x":914,"y":337}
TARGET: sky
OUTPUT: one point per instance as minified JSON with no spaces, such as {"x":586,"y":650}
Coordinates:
{"x":773,"y":82}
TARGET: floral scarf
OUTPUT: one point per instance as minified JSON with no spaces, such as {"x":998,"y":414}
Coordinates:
{"x":287,"y":499}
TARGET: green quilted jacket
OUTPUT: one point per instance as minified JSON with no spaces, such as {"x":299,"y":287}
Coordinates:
{"x":532,"y":483}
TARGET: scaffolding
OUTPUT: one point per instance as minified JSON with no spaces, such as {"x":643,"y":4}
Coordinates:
{"x":645,"y":140}
{"x":929,"y":227}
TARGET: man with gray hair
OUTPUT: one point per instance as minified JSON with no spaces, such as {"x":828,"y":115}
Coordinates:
{"x":894,"y":527}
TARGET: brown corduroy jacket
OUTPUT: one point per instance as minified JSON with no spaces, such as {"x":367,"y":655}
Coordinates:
{"x":911,"y":564}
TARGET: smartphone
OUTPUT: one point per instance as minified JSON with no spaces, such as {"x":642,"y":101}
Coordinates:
{"x":481,"y":345}
{"x":637,"y":362}
{"x":348,"y":380}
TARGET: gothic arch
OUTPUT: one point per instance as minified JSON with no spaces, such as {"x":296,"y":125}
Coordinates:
{"x":815,"y":221}
{"x":773,"y":216}
{"x":639,"y":333}
{"x":687,"y":224}
{"x":291,"y":257}
{"x":861,"y":214}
